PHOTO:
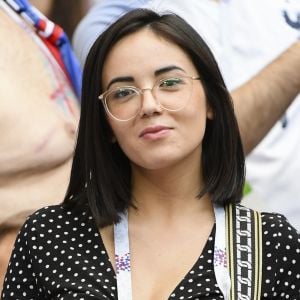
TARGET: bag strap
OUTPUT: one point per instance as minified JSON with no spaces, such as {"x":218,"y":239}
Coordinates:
{"x":244,"y":251}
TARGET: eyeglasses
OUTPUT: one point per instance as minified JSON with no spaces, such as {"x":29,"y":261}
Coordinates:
{"x":125,"y":102}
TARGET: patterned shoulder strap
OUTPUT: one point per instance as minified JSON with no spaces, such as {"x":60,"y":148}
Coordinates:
{"x":244,"y":250}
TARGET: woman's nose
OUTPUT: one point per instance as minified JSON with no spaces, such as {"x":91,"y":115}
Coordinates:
{"x":149,"y":104}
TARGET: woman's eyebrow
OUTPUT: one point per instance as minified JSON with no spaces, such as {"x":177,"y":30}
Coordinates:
{"x":167,"y":69}
{"x":120,"y":79}
{"x":156,"y":73}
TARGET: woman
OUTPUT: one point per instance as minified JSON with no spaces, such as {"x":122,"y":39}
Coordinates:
{"x":159,"y":155}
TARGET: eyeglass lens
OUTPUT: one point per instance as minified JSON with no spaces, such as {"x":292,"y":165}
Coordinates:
{"x":172,"y":94}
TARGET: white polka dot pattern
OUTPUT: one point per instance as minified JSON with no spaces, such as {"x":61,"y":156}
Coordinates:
{"x":59,"y":254}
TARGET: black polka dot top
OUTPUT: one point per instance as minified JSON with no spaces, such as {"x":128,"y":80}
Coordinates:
{"x":59,"y":254}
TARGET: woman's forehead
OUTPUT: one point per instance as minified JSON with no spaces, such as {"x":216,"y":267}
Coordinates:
{"x":144,"y":52}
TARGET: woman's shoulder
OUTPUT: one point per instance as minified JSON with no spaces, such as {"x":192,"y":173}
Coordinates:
{"x":277,"y":231}
{"x":277,"y":223}
{"x":56,"y":218}
{"x":57,"y":211}
{"x":274,"y":223}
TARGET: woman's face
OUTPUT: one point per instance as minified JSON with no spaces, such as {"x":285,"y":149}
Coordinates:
{"x":156,"y":138}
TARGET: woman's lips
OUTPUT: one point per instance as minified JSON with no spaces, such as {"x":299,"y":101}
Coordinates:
{"x":155,"y":132}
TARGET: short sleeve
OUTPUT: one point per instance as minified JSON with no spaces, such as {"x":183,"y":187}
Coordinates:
{"x":20,"y":280}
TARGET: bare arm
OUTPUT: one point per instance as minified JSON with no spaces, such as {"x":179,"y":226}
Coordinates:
{"x":262,"y":100}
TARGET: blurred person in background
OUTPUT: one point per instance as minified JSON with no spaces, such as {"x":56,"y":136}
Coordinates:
{"x":39,"y":111}
{"x":257,"y":46}
{"x":66,"y":13}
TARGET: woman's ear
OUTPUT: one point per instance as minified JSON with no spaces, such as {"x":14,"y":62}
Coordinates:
{"x":209,"y":113}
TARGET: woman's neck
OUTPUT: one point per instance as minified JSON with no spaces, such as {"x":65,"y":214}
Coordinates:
{"x":169,"y":193}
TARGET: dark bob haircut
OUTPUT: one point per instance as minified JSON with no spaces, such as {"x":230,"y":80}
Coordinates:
{"x":101,"y":173}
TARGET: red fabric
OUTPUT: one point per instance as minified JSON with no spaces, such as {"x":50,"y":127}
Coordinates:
{"x":56,"y":54}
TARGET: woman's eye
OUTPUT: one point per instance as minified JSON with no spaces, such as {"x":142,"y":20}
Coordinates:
{"x":171,"y":83}
{"x":122,"y":93}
